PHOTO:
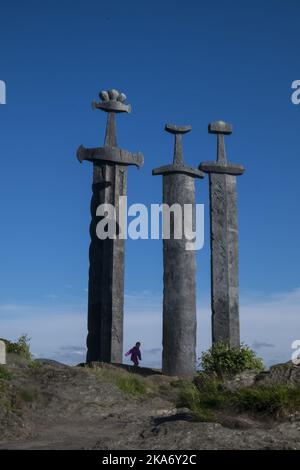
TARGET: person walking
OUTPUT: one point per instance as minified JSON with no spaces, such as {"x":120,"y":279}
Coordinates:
{"x":135,"y":354}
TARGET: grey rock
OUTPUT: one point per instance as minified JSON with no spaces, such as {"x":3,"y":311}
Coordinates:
{"x":14,"y":359}
{"x":287,"y":373}
{"x":49,"y":362}
{"x":241,"y":380}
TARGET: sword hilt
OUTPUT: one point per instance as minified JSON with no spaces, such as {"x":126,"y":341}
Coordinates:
{"x":177,"y":131}
{"x":220,"y":128}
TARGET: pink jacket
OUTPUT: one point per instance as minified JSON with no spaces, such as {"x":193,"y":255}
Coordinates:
{"x":135,"y":354}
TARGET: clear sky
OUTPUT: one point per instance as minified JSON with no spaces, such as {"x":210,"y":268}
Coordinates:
{"x":188,"y":62}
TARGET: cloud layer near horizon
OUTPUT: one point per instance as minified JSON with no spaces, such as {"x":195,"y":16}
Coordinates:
{"x":269,"y":324}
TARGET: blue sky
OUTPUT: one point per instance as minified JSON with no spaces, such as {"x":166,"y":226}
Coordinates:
{"x":186,"y":62}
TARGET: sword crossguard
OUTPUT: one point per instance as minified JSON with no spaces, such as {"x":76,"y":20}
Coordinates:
{"x":221,"y":166}
{"x":178,"y":165}
{"x":112,"y":101}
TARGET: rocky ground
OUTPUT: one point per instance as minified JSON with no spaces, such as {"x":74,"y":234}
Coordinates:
{"x":46,"y":405}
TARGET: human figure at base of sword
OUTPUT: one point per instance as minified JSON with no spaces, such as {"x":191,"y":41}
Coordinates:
{"x":135,"y":354}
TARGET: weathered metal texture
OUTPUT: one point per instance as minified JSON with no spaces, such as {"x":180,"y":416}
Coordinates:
{"x":224,"y":241}
{"x":106,"y":272}
{"x":179,"y":295}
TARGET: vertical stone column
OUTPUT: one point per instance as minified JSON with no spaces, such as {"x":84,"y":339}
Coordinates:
{"x":224,"y":241}
{"x":2,"y":352}
{"x":106,"y":272}
{"x":179,"y":296}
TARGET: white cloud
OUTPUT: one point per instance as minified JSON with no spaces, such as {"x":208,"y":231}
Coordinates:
{"x":274,"y":319}
{"x":265,"y":320}
{"x":49,"y":328}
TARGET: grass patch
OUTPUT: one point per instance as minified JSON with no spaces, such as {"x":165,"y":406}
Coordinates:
{"x":189,"y":397}
{"x":128,"y":383}
{"x":34,"y":365}
{"x":203,"y":403}
{"x":28,"y":396}
{"x":4,"y":373}
{"x":277,"y":401}
{"x":131,"y":385}
{"x":8,"y":400}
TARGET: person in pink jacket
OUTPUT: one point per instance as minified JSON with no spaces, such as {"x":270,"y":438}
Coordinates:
{"x":135,"y":354}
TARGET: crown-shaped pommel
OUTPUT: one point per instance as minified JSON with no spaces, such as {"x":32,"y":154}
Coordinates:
{"x":112,"y":101}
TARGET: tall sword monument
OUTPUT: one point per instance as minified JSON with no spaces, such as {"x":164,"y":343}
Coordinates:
{"x":224,"y":241}
{"x":179,"y":298}
{"x":106,"y":272}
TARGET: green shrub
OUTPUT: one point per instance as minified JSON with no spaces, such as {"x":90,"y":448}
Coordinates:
{"x":223,"y":360}
{"x":21,"y":347}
